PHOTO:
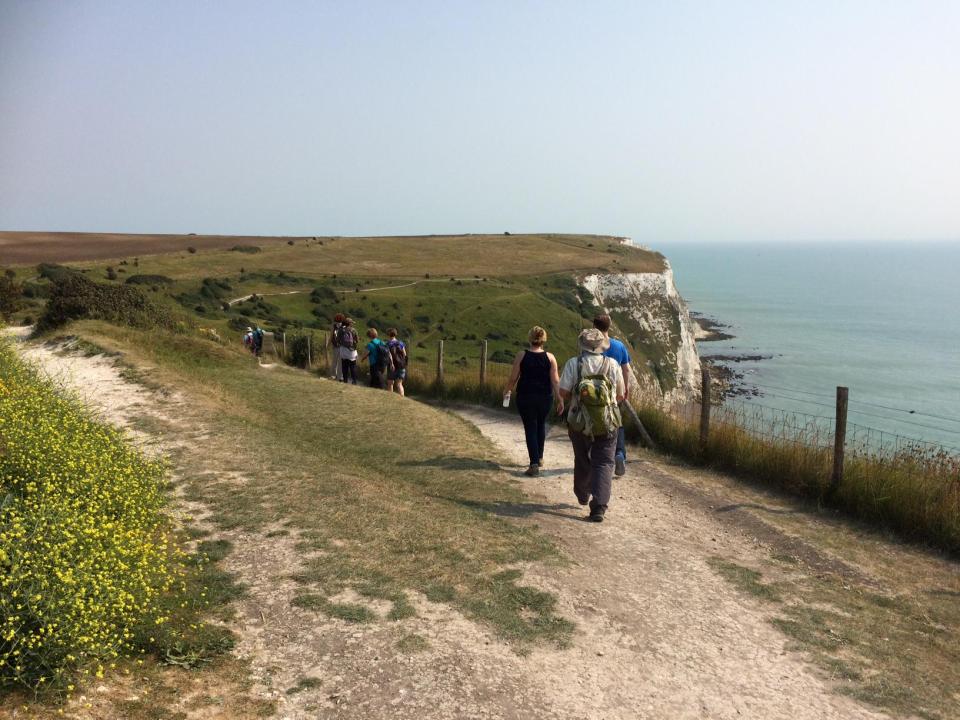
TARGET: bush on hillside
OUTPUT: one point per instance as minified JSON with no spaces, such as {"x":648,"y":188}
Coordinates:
{"x":11,"y":294}
{"x":74,"y":297}
{"x":149,"y":280}
{"x":246,"y":248}
{"x":85,"y":556}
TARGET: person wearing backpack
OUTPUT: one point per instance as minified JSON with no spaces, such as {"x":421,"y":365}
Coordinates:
{"x":592,"y":385}
{"x":398,"y":354}
{"x":534,"y":375}
{"x":380,"y":362}
{"x":618,"y":351}
{"x":258,"y":341}
{"x":333,"y":344}
{"x":348,"y":341}
{"x":248,"y":341}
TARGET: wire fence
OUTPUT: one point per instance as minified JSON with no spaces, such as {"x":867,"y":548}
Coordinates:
{"x":811,"y":429}
{"x":480,"y":379}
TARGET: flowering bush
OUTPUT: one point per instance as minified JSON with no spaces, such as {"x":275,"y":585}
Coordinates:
{"x":85,"y":555}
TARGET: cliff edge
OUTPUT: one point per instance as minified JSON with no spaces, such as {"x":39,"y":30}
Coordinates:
{"x":656,"y":322}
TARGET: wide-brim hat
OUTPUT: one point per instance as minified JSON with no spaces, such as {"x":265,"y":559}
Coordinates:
{"x":593,"y":341}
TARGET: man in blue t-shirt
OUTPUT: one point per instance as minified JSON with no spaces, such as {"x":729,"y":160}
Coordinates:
{"x":618,"y":351}
{"x":380,"y":363}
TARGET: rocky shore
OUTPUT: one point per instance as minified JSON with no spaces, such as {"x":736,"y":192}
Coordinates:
{"x":728,"y":378}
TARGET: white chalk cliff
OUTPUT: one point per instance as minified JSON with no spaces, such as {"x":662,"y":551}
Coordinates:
{"x":649,"y":311}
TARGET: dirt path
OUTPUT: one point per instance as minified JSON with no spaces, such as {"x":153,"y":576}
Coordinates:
{"x":659,"y":634}
{"x":663,"y":635}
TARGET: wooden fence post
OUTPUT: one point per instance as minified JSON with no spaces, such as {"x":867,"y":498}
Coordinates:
{"x":840,"y":438}
{"x":704,"y":406}
{"x":284,"y":338}
{"x":309,"y":352}
{"x":483,"y":363}
{"x":440,"y":363}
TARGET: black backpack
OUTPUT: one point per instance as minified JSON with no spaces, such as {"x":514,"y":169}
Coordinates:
{"x":398,"y":354}
{"x":384,"y":357}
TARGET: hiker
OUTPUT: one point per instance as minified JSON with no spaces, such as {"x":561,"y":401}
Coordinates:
{"x":348,"y":340}
{"x":536,"y":379}
{"x":380,"y":363}
{"x":592,"y":384}
{"x":248,"y":341}
{"x":333,"y":345}
{"x":398,"y":354}
{"x":618,"y":351}
{"x":258,"y":341}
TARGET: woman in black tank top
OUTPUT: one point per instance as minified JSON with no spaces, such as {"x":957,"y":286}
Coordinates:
{"x":537,"y":381}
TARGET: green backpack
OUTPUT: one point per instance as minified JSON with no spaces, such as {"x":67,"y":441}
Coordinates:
{"x":594,"y":411}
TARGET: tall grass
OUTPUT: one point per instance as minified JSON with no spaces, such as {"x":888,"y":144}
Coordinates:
{"x":914,"y":491}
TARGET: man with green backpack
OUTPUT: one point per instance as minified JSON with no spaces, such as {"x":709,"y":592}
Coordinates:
{"x":593,"y":387}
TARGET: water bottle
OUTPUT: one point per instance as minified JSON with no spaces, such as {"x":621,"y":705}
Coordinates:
{"x":506,"y":399}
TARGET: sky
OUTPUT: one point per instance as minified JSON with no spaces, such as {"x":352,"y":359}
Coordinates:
{"x":664,"y":121}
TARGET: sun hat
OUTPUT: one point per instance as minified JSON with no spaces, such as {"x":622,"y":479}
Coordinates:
{"x":249,"y":329}
{"x":593,"y":341}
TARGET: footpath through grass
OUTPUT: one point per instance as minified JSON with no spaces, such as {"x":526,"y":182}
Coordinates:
{"x":386,"y":489}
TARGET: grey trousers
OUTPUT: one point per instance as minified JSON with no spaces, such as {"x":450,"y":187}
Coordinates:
{"x":593,"y":467}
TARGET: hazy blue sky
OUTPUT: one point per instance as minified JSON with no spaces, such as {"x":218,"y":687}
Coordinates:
{"x":666,"y":121}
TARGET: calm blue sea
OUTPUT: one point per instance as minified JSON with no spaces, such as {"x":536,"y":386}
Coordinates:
{"x":879,"y":318}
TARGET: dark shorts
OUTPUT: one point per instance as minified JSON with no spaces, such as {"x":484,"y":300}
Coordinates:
{"x":398,"y":374}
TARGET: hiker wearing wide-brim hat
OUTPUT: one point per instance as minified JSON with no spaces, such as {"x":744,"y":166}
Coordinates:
{"x":593,"y":387}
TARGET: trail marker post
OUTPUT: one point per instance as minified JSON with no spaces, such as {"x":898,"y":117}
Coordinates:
{"x":284,"y":338}
{"x":839,"y":438}
{"x":440,"y":363}
{"x":483,"y":363}
{"x":704,"y":406}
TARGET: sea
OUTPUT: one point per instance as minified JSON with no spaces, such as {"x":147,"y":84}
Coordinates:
{"x":881,"y":318}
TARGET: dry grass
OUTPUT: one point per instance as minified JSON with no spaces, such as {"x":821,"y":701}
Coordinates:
{"x":408,"y":257}
{"x":385,"y":489}
{"x":915,"y":495}
{"x":898,"y":651}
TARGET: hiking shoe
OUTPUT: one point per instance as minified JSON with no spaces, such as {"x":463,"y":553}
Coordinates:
{"x":621,"y":466}
{"x":532,"y":471}
{"x":596,"y":515}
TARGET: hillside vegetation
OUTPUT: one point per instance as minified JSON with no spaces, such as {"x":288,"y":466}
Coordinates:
{"x":461,"y":289}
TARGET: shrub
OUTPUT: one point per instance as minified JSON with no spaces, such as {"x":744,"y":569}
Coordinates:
{"x":246,"y":248}
{"x":191,"y":250}
{"x":85,"y":555}
{"x":111,"y":273}
{"x":10,"y":296}
{"x":149,"y":280}
{"x":74,"y":297}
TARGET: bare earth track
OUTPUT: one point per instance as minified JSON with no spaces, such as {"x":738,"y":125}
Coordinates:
{"x":659,"y":633}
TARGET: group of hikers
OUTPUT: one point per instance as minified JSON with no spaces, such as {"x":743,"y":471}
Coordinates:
{"x":590,"y":388}
{"x":388,"y":360}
